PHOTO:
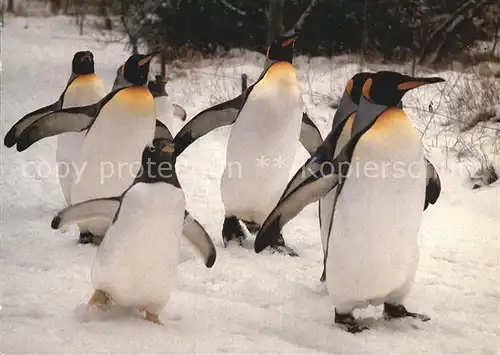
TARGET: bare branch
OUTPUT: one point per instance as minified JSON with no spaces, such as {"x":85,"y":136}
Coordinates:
{"x":448,"y":26}
{"x":300,"y":22}
{"x":234,"y":8}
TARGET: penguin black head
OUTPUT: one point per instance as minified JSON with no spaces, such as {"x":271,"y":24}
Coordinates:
{"x":158,"y":162}
{"x":136,"y":68}
{"x":281,"y":49}
{"x":355,"y":86}
{"x":83,"y":63}
{"x":157,"y":87}
{"x":388,"y":87}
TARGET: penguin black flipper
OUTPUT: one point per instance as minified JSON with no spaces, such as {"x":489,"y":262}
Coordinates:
{"x":321,"y":156}
{"x":223,"y":114}
{"x":103,"y":209}
{"x":179,"y":112}
{"x":310,"y":136}
{"x":161,"y":131}
{"x":433,"y":184}
{"x":309,"y":191}
{"x":73,"y":119}
{"x":317,"y":181}
{"x":199,"y":238}
{"x":13,"y":134}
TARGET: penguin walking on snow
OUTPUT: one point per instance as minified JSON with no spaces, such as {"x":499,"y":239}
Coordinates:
{"x":107,"y":166}
{"x":268,"y":120}
{"x":372,"y":246}
{"x":136,"y":263}
{"x":166,"y":111}
{"x":335,"y":141}
{"x":84,"y":87}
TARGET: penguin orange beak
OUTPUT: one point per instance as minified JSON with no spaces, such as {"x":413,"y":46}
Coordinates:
{"x":289,"y":41}
{"x":169,"y":148}
{"x":148,"y":57}
{"x":416,"y":82}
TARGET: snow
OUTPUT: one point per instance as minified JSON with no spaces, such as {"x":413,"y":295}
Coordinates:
{"x":247,"y":303}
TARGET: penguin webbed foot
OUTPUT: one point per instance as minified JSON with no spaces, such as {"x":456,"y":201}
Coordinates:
{"x":153,"y":318}
{"x":232,"y":231}
{"x":87,"y":238}
{"x":399,"y":311}
{"x":348,"y":323}
{"x":282,"y":249}
{"x":279,"y":247}
{"x":100,"y":299}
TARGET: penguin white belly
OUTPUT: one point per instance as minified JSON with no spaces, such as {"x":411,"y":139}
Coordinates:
{"x":84,"y":90}
{"x":165,"y":112}
{"x":136,"y":263}
{"x":327,"y":203}
{"x":373,"y":247}
{"x":261,"y":150}
{"x":111,"y":153}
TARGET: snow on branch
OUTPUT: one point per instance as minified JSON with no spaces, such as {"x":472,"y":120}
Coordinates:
{"x":234,"y":8}
{"x":300,"y":22}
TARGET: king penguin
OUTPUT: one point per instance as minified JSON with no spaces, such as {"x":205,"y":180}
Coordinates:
{"x":83,"y":88}
{"x":166,"y":111}
{"x":269,"y":120}
{"x":106,"y":166}
{"x":137,"y":261}
{"x":339,"y":136}
{"x":372,"y":246}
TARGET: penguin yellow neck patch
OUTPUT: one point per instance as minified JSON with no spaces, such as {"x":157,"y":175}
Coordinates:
{"x":394,"y":119}
{"x":281,"y":71}
{"x":84,"y":79}
{"x":136,"y":96}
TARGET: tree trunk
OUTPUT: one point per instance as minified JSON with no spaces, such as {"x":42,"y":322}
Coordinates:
{"x":244,"y":82}
{"x":10,"y":6}
{"x":363,"y":36}
{"x":55,"y":6}
{"x":163,"y":62}
{"x":82,"y":19}
{"x":274,"y":20}
{"x":495,"y":41}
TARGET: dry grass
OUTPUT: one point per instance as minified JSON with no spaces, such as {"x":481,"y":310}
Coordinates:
{"x":472,"y":100}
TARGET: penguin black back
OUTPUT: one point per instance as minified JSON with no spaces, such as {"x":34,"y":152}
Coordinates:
{"x":136,"y":68}
{"x":157,"y":87}
{"x":388,"y":87}
{"x":158,"y":163}
{"x":281,"y":49}
{"x":83,"y":63}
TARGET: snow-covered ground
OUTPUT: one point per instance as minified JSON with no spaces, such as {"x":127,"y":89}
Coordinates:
{"x":247,"y":303}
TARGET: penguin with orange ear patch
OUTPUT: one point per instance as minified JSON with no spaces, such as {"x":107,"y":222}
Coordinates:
{"x":380,"y":175}
{"x":119,"y":126}
{"x":84,"y":87}
{"x":269,"y":120}
{"x":339,"y":136}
